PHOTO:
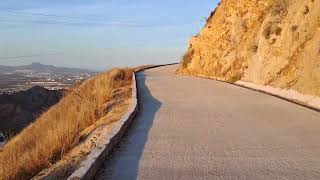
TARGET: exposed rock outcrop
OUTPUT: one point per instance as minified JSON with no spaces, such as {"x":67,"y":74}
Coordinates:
{"x":20,"y":109}
{"x":269,"y":42}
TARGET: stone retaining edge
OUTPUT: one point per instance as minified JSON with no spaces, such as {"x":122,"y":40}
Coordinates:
{"x":89,"y":167}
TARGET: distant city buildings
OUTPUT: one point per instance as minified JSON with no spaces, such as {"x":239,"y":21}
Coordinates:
{"x":23,"y":80}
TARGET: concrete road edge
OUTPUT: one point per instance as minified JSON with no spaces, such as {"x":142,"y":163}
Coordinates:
{"x":89,"y":167}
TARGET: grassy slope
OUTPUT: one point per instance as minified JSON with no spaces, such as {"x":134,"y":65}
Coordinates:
{"x":58,"y":130}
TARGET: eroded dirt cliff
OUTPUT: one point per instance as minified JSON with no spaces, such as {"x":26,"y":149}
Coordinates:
{"x":269,"y":42}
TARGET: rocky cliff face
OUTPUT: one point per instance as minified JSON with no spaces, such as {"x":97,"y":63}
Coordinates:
{"x":20,"y":109}
{"x":269,"y":42}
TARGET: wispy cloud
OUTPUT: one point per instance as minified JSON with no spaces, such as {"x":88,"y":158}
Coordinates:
{"x":30,"y":56}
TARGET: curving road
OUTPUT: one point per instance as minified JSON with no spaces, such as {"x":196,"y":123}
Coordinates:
{"x":193,"y":128}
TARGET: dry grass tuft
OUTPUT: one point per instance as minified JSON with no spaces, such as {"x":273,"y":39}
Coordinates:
{"x":280,"y":8}
{"x":212,"y":13}
{"x":187,"y":58}
{"x":58,"y":130}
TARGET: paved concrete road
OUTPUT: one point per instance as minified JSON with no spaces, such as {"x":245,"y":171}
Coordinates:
{"x":193,"y":128}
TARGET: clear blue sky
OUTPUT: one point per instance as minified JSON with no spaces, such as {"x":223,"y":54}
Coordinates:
{"x":98,"y":34}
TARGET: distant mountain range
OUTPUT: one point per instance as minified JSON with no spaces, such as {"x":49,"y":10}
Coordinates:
{"x":41,"y":68}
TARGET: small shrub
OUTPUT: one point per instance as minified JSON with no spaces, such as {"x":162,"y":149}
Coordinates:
{"x":234,"y":78}
{"x":244,"y":25}
{"x":270,"y":29}
{"x":187,"y":58}
{"x":294,"y":28}
{"x":213,"y":13}
{"x":267,"y":32}
{"x":255,"y":48}
{"x":278,"y":31}
{"x":306,"y":10}
{"x":279,"y":8}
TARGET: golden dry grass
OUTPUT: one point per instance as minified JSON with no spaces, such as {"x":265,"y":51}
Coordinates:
{"x":59,"y":129}
{"x":187,"y":58}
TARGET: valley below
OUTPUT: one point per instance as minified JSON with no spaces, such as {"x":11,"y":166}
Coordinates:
{"x":20,"y":109}
{"x":19,"y":78}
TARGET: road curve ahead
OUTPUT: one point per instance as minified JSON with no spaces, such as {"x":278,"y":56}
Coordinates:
{"x":193,"y":128}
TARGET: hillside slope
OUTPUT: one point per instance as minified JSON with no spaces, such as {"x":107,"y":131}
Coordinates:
{"x":269,"y":42}
{"x":94,"y":104}
{"x":19,"y":109}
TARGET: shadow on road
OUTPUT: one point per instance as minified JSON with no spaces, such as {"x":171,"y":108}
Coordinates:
{"x":124,"y":160}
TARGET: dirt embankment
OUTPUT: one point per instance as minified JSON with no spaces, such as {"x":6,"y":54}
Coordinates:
{"x":268,"y":42}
